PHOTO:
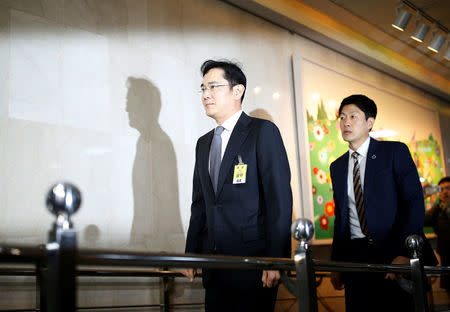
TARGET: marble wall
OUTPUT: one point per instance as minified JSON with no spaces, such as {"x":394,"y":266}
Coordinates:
{"x":104,"y":94}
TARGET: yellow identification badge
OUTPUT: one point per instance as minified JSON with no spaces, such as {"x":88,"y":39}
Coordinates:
{"x":240,"y":172}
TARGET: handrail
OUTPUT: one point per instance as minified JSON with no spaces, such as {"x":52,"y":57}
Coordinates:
{"x":29,"y":254}
{"x":432,"y":271}
{"x":58,"y":262}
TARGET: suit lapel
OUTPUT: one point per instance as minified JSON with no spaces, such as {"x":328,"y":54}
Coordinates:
{"x":370,"y":170}
{"x":204,"y":160}
{"x":342,"y":174}
{"x":238,"y":136}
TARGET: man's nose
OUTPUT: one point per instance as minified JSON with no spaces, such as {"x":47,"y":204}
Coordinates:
{"x":206,"y":94}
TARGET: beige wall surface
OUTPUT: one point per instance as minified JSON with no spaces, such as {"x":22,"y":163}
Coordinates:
{"x":104,"y":94}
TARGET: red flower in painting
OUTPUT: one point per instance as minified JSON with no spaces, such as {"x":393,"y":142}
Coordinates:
{"x":323,"y":221}
{"x":329,"y":208}
{"x":315,"y":170}
{"x":325,"y":129}
{"x":318,"y":133}
{"x":314,"y":190}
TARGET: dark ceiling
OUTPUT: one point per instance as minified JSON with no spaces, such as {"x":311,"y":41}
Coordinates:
{"x":373,"y":19}
{"x":381,"y":14}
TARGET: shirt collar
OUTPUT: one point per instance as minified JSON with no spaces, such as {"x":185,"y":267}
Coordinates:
{"x":231,"y":121}
{"x":362,"y":150}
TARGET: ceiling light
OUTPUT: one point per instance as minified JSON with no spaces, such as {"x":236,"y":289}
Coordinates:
{"x":402,"y":19}
{"x":421,"y":29}
{"x":421,"y":32}
{"x":447,"y":54}
{"x":436,"y":43}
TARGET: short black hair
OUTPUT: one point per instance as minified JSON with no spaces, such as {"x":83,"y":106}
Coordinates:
{"x":444,"y":179}
{"x":365,"y":104}
{"x":232,"y":72}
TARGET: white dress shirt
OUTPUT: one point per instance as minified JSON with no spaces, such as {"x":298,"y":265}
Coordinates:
{"x":355,"y":228}
{"x":228,"y":129}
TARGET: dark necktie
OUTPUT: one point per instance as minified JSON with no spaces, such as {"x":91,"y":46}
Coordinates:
{"x":215,"y":158}
{"x":359,"y":198}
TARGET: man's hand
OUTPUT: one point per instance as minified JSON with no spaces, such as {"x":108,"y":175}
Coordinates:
{"x":336,"y":280}
{"x":189,"y":273}
{"x":397,"y":260}
{"x":270,"y":278}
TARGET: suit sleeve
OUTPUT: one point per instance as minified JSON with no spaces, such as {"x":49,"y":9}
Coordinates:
{"x":410,"y":197}
{"x":336,"y":248}
{"x":431,"y":216}
{"x":197,"y":222}
{"x":275,"y":178}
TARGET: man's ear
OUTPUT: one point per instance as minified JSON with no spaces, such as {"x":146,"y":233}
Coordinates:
{"x":238,"y":90}
{"x":370,"y":122}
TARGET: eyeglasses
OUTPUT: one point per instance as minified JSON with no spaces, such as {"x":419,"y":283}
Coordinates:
{"x":211,"y":88}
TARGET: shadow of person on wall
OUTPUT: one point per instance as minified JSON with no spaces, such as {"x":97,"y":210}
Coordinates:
{"x":156,"y":221}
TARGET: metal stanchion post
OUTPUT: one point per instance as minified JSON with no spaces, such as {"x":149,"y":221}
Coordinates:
{"x":415,"y":243}
{"x":63,"y":200}
{"x":303,"y":230}
{"x":41,"y":285}
{"x":165,"y":302}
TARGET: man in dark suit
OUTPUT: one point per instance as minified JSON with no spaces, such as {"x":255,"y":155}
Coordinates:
{"x":241,"y":198}
{"x":378,"y":203}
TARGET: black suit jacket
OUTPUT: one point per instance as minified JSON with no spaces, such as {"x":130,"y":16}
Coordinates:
{"x":393,"y":201}
{"x":250,"y":219}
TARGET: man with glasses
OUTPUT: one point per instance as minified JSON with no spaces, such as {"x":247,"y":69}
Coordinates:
{"x":241,"y":198}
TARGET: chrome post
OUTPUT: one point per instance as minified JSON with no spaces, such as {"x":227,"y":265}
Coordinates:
{"x":303,"y":231}
{"x":164,"y":288}
{"x":63,"y":200}
{"x":41,"y":284}
{"x":415,"y":243}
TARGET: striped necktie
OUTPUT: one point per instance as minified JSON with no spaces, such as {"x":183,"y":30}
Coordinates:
{"x":359,"y":198}
{"x":215,"y":156}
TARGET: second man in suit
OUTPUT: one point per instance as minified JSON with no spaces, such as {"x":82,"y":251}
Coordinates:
{"x":241,"y":198}
{"x":378,"y":203}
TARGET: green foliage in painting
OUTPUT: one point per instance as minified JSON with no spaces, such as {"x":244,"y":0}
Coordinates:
{"x":325,"y":146}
